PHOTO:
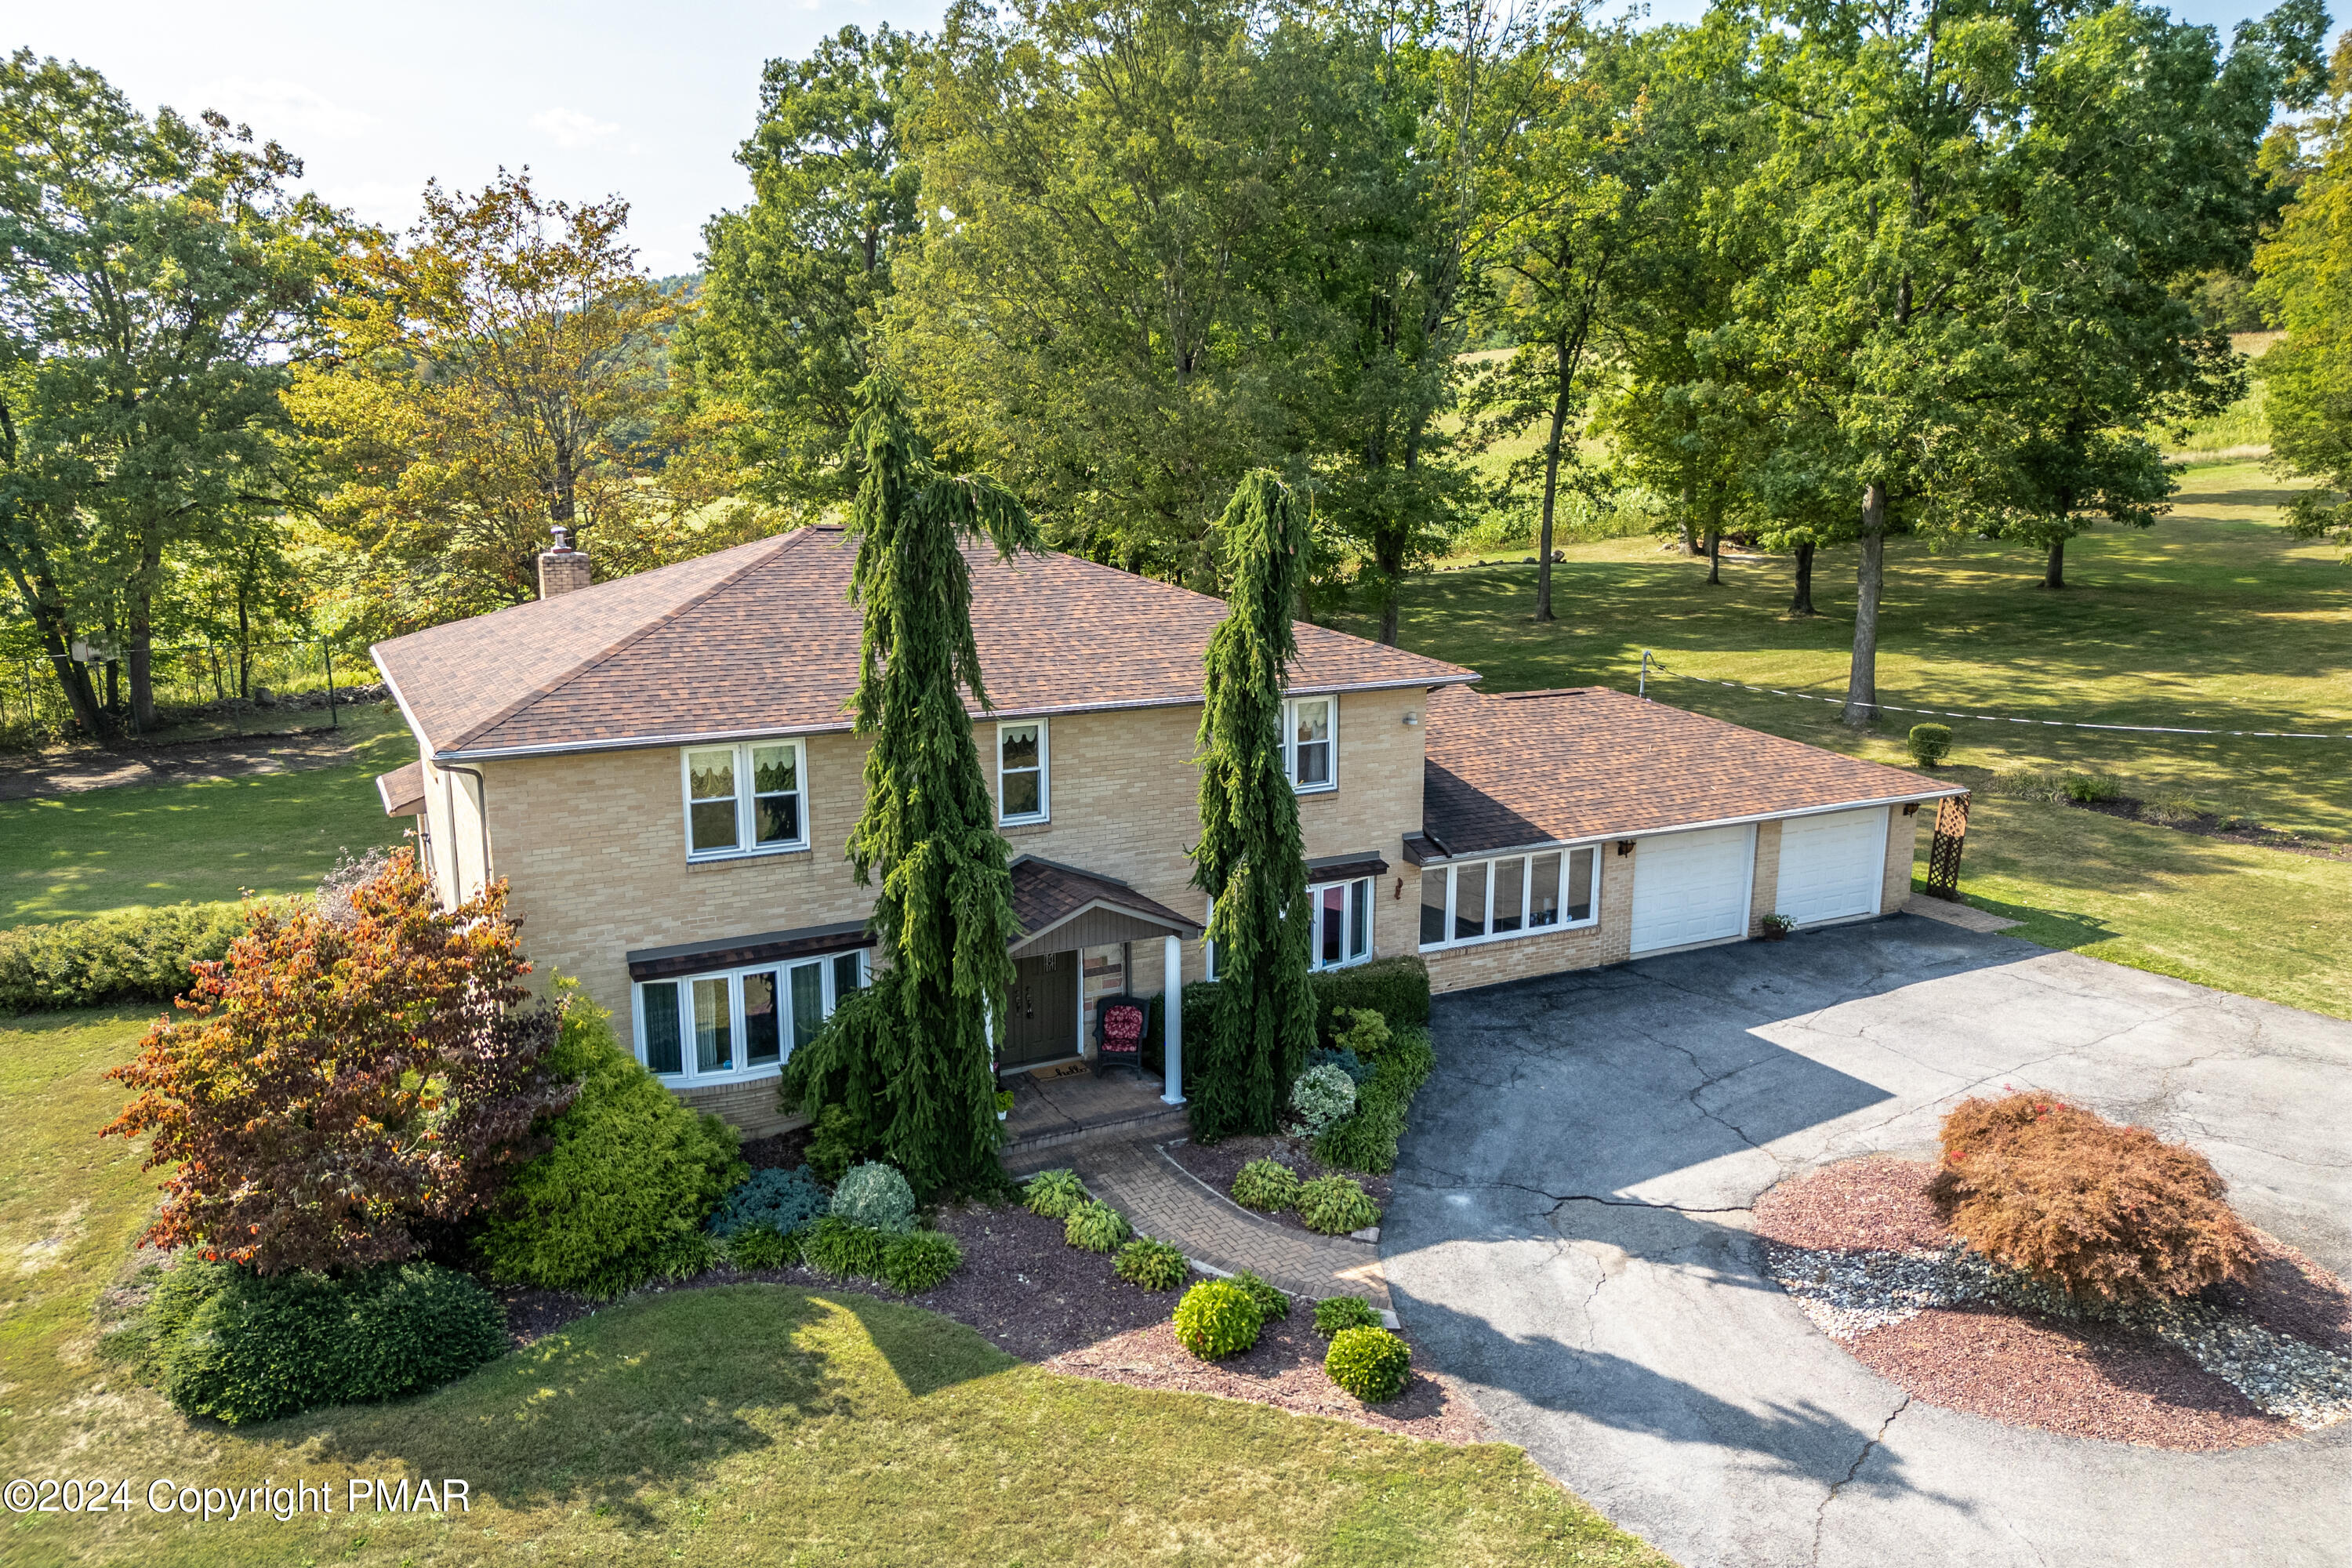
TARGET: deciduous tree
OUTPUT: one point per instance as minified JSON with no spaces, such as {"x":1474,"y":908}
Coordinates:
{"x":2306,"y":281}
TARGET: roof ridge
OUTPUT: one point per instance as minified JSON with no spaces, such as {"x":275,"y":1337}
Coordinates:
{"x":782,"y":541}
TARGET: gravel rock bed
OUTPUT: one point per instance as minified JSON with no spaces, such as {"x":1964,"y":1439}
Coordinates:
{"x":1866,"y":1256}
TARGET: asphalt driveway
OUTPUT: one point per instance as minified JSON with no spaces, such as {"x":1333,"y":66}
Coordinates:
{"x":1569,"y":1235}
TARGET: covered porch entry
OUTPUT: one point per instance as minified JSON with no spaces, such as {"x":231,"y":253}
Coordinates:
{"x":1087,"y":938}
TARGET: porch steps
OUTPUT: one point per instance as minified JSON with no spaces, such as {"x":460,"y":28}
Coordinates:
{"x":1147,"y":1125}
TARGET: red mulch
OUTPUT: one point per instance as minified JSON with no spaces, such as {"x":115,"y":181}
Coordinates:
{"x":1218,"y":1164}
{"x":1035,"y":1297}
{"x":1875,"y":1203}
{"x":2081,"y":1380}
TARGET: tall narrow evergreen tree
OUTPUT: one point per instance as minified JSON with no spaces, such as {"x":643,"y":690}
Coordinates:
{"x":1252,"y":861}
{"x":912,"y":1056}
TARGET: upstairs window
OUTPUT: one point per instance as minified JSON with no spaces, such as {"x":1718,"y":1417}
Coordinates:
{"x":745,"y":799}
{"x":1020,"y":772}
{"x":1310,"y":743}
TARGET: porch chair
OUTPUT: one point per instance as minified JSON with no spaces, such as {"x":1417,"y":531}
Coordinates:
{"x":1118,"y":1035}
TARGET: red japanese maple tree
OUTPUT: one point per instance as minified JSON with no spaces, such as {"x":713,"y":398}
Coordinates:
{"x":344,"y":1073}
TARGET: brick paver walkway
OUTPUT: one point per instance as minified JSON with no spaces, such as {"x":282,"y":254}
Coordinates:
{"x":1162,"y":1200}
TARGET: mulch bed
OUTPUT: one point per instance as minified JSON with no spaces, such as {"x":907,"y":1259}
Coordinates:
{"x":1037,"y":1297}
{"x":2206,"y":824}
{"x":1218,"y":1164}
{"x":2081,"y":1379}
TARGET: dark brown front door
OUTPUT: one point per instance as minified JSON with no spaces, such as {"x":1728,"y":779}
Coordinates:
{"x":1041,"y":1023}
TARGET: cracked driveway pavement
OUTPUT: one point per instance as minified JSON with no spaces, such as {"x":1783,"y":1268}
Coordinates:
{"x":1569,"y":1237}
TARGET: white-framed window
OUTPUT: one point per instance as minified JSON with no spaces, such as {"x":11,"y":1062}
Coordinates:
{"x":1511,"y":895}
{"x":750,"y":798}
{"x":1310,"y":743}
{"x":740,"y":1023}
{"x":1024,"y":772}
{"x":1341,"y":929}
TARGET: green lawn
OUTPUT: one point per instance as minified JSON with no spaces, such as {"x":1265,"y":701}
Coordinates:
{"x":2213,"y":618}
{"x":65,"y":856}
{"x":755,"y":1423}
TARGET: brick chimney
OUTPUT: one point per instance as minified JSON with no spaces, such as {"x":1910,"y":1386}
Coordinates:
{"x":561,"y":568}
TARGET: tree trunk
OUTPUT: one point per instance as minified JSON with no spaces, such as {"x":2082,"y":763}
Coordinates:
{"x":1715,"y":557}
{"x":1552,"y":486}
{"x":1802,"y":603}
{"x":1870,"y":576}
{"x":38,"y":591}
{"x":244,"y":650}
{"x":1690,"y":533}
{"x":2053,"y":576}
{"x":142,"y":633}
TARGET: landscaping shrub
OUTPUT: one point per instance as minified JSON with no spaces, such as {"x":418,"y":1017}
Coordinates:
{"x":1347,"y":1061}
{"x":1361,"y":1032}
{"x":1929,"y":744}
{"x":1368,"y":1140}
{"x":1396,"y":988}
{"x":1369,"y":1362}
{"x":2086,"y":789}
{"x":132,"y":956}
{"x":841,"y":1138}
{"x":1216,"y":1319}
{"x":1152,"y":1265}
{"x":1271,"y":1302}
{"x":240,"y":1347}
{"x":913,"y":1263}
{"x":1095,"y":1227}
{"x":1265,"y":1184}
{"x":762,"y":1246}
{"x":1053,"y":1193}
{"x":1321,"y":1096}
{"x":834,"y":1246}
{"x":1334,"y":1313}
{"x":781,"y":1201}
{"x":2104,"y":1212}
{"x":291,"y":1098}
{"x":1335,"y":1206}
{"x":875,"y":1196}
{"x":619,"y":1194}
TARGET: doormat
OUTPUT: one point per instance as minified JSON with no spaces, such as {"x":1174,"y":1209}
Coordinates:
{"x":1067,"y":1070}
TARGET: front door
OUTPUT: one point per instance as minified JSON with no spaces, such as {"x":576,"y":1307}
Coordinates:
{"x":1042,"y":1022}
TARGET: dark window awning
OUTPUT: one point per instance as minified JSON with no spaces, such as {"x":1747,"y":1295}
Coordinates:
{"x":1061,"y":907}
{"x":403,"y":790}
{"x":1345,"y":868}
{"x":735,"y":952}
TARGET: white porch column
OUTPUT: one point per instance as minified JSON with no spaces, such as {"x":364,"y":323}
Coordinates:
{"x":1171,"y":1014}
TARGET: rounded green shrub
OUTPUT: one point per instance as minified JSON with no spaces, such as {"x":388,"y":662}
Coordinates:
{"x":137,"y":955}
{"x":878,"y":1196}
{"x":1216,"y":1319}
{"x":1369,"y":1362}
{"x":1334,"y":1313}
{"x":1321,"y":1096}
{"x":619,"y":1194}
{"x":1335,"y":1206}
{"x":1929,"y":744}
{"x":917,"y":1260}
{"x":1271,"y":1302}
{"x":1265,"y":1184}
{"x":239,"y":1347}
{"x":1095,"y":1227}
{"x":1053,"y":1193}
{"x":1152,"y":1265}
{"x":834,"y":1246}
{"x":781,"y":1201}
{"x":759,"y":1246}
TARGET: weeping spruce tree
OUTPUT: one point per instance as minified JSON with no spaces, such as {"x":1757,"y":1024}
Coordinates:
{"x":1251,"y":860}
{"x":910,"y":1056}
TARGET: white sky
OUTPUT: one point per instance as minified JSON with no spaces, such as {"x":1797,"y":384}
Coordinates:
{"x":598,"y":98}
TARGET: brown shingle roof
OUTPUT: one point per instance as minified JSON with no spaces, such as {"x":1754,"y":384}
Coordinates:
{"x":761,"y":639}
{"x":1541,"y":767}
{"x":403,"y":790}
{"x":1046,"y":893}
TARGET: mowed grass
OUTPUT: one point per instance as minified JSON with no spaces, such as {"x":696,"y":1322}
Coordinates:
{"x":751,"y":1424}
{"x":68,"y":857}
{"x":2212,"y":619}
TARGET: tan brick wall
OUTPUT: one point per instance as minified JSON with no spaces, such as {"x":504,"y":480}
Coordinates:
{"x":1764,"y":893}
{"x":1608,"y":941}
{"x":1902,"y":849}
{"x":750,"y":1106}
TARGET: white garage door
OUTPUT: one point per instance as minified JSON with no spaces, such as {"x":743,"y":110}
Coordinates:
{"x":1691,"y":886}
{"x":1833,"y":866}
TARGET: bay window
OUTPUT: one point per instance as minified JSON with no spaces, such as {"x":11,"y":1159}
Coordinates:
{"x":746,"y":799}
{"x":1509,"y":895}
{"x":741,"y":1022}
{"x":1310,"y":743}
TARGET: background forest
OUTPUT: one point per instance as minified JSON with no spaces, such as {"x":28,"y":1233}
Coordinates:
{"x":1805,"y":276}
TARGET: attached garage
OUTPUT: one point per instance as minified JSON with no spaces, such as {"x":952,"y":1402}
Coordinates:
{"x":1832,"y":865}
{"x":1692,"y":886}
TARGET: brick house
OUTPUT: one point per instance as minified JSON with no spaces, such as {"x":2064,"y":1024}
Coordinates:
{"x":662,"y":768}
